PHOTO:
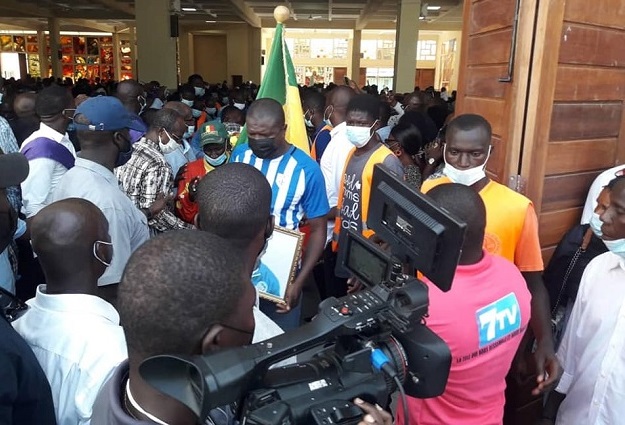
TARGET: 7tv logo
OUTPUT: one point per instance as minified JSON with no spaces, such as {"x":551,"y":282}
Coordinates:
{"x":498,"y":319}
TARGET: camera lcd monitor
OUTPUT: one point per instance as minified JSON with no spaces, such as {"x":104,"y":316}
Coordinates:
{"x":419,"y":232}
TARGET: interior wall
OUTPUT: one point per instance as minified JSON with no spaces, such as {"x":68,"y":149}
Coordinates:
{"x":238,"y":58}
{"x":444,"y":37}
{"x":209,"y":57}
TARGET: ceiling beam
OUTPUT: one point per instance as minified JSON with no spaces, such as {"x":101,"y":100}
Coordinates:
{"x":122,"y":7}
{"x":246,"y":13}
{"x":11,"y":6}
{"x":368,"y":12}
{"x":88,"y":24}
{"x":342,"y":24}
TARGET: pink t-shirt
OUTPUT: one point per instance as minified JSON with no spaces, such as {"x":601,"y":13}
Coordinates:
{"x":482,"y":319}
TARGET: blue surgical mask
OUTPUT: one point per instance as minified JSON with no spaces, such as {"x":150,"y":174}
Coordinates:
{"x":189,"y":133}
{"x":616,"y":247}
{"x":196,"y":113}
{"x":595,"y":224}
{"x":189,"y":103}
{"x":216,"y":162}
{"x":211,"y":111}
{"x":359,"y":136}
{"x":199,"y":91}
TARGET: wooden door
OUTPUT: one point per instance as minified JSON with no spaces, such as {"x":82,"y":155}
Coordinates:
{"x":424,"y":77}
{"x":339,"y":75}
{"x":485,"y":56}
{"x":576,"y":119}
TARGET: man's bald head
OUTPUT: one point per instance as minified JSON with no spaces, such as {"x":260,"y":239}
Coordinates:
{"x":24,"y":105}
{"x":268,"y":110}
{"x":338,"y":99}
{"x":63,"y":236}
{"x":128,"y":92}
{"x":184,"y":110}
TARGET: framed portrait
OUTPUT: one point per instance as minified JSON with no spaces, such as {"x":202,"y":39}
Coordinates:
{"x":278,"y":265}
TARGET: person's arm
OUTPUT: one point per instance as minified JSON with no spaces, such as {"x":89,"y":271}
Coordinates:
{"x":528,"y":259}
{"x":36,"y":187}
{"x":154,"y":182}
{"x":314,"y":249}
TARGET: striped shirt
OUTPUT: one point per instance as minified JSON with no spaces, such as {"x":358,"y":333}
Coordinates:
{"x":296,"y":181}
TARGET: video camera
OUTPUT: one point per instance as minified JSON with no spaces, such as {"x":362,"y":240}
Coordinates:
{"x":368,"y":344}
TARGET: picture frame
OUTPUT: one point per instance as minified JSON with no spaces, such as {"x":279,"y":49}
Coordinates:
{"x":277,"y":266}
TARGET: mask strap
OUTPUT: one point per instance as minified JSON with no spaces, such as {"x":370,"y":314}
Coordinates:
{"x":95,"y":252}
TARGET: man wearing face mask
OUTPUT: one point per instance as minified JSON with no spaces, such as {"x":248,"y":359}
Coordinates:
{"x":314,"y":105}
{"x":353,"y":202}
{"x":181,"y":156}
{"x":511,"y":230}
{"x":298,"y":190}
{"x":49,"y":151}
{"x":188,"y":97}
{"x":199,"y":86}
{"x":103,"y":125}
{"x":591,"y":388}
{"x":198,"y":301}
{"x":214,"y":144}
{"x":147,"y":178}
{"x":74,"y":334}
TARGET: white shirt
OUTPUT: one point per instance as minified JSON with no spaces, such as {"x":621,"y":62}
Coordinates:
{"x":333,"y":166}
{"x":128,"y":227}
{"x":44,"y":173}
{"x":78,"y":342}
{"x":592,"y":351}
{"x":597,"y":186}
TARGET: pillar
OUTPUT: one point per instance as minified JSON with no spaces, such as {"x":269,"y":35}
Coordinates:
{"x":54,"y":27}
{"x":355,"y":58}
{"x":44,"y":63}
{"x":255,"y":40}
{"x":132,"y":33}
{"x":157,"y":58}
{"x":117,"y":56}
{"x":406,"y":36}
{"x":186,"y":53}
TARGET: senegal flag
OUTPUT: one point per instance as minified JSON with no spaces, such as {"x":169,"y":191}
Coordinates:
{"x":280,"y":84}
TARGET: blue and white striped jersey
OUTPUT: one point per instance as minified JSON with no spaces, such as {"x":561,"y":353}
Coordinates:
{"x":297,"y":185}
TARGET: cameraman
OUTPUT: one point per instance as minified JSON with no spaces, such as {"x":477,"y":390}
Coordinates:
{"x":482,"y":319}
{"x":198,"y":301}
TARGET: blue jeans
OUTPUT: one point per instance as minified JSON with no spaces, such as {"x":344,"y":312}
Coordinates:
{"x":287,"y":321}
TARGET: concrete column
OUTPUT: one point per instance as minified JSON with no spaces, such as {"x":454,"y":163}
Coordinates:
{"x":186,"y":53}
{"x":132,"y":33}
{"x":407,"y":34}
{"x":44,"y":63}
{"x":255,"y":40}
{"x":157,"y":58}
{"x":54,"y":27}
{"x":117,"y":56}
{"x":355,"y":58}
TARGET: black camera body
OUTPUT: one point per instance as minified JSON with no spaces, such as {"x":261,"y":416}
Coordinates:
{"x":367,"y":342}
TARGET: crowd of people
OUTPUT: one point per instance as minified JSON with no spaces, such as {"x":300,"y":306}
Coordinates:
{"x":134,"y":220}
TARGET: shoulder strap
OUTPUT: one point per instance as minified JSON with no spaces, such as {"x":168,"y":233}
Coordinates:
{"x":42,"y":147}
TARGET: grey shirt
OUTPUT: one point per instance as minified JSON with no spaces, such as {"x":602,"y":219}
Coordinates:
{"x":108,"y":407}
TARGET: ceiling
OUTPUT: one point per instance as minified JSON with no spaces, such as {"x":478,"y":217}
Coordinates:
{"x":115,"y":15}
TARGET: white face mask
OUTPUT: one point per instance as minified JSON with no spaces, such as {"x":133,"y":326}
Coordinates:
{"x":196,"y":113}
{"x":211,"y":111}
{"x":595,"y":224}
{"x":189,"y":133}
{"x":168,"y":147}
{"x":239,"y":106}
{"x":189,"y":103}
{"x":466,"y":177}
{"x":157,"y":104}
{"x":616,"y":247}
{"x":199,"y":91}
{"x":359,"y":136}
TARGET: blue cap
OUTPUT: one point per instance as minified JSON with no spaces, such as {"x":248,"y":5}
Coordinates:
{"x":103,"y":113}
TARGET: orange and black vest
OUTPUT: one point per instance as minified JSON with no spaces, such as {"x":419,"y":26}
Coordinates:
{"x":313,"y":148}
{"x":377,"y":157}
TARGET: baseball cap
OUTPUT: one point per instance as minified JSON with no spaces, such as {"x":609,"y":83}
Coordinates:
{"x":13,"y":169}
{"x":104,"y":113}
{"x":213,"y":132}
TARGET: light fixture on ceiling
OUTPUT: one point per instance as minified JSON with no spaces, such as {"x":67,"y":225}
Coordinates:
{"x":211,"y":22}
{"x":189,"y":9}
{"x":434,"y":8}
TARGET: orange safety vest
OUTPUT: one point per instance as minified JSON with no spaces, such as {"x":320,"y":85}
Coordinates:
{"x":377,"y":157}
{"x":313,"y":148}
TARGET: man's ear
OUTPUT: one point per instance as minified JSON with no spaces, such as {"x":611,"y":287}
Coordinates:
{"x":211,"y":340}
{"x":270,"y":227}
